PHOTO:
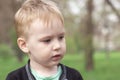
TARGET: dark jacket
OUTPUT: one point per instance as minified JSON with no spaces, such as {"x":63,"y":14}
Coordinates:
{"x":24,"y":73}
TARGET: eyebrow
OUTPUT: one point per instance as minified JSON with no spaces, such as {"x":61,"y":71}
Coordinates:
{"x":62,"y":33}
{"x":49,"y":36}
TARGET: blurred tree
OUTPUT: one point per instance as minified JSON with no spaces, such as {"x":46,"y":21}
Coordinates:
{"x":113,"y":8}
{"x":6,"y":21}
{"x":15,"y":5}
{"x":71,"y":24}
{"x":74,"y":24}
{"x":88,"y":36}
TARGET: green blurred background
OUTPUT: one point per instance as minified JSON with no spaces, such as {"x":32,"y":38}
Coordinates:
{"x":92,"y":38}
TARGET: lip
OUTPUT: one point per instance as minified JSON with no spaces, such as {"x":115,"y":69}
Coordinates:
{"x":56,"y":57}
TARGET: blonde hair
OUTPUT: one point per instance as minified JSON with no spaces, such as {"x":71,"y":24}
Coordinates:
{"x":45,"y":10}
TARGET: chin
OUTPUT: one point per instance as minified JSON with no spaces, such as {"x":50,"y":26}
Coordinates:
{"x":55,"y":64}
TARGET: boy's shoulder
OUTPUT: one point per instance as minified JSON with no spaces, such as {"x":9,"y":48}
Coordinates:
{"x":21,"y":74}
{"x":69,"y":69}
{"x":17,"y":74}
{"x":72,"y":73}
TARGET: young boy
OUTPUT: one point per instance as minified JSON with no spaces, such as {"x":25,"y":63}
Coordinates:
{"x":41,"y":35}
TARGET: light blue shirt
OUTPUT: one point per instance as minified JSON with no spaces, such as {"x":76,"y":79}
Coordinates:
{"x":53,"y":77}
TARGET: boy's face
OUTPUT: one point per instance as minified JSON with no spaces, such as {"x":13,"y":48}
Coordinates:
{"x":46,"y":45}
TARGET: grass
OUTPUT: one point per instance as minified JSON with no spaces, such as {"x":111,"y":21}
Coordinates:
{"x":7,"y":65}
{"x":105,"y":69}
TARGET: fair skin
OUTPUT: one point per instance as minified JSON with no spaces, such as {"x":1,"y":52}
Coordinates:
{"x":45,"y":46}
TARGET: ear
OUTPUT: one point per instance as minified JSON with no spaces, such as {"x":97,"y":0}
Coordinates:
{"x":22,"y":44}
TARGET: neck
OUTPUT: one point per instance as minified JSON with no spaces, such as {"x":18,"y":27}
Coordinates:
{"x":43,"y":70}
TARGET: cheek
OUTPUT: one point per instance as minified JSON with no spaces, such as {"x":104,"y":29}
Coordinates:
{"x":64,"y":47}
{"x":34,"y":48}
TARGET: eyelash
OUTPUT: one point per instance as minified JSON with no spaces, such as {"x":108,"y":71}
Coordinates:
{"x":49,"y":40}
{"x":61,"y":37}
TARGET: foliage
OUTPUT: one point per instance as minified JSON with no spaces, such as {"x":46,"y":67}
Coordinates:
{"x":70,"y":43}
{"x":5,"y":51}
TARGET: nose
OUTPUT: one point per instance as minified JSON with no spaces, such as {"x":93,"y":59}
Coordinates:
{"x":56,"y":45}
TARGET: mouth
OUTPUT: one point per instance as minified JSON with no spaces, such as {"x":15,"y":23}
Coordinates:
{"x":56,"y":57}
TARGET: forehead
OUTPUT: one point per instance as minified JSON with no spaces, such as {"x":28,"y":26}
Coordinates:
{"x":39,"y":26}
{"x":49,"y":19}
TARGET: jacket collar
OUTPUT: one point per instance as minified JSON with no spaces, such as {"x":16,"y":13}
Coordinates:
{"x":31,"y":77}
